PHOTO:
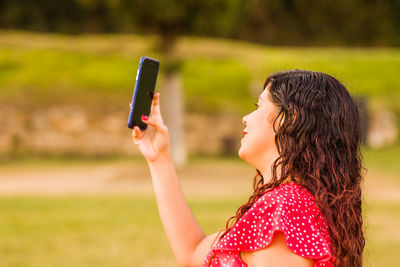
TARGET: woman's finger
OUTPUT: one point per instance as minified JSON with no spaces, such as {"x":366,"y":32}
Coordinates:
{"x":154,"y":122}
{"x":155,"y":105}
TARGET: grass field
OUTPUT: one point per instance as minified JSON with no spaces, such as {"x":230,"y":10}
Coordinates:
{"x":46,"y":69}
{"x":124,"y":229}
{"x":92,"y":231}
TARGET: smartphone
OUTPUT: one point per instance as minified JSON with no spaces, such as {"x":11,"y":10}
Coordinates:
{"x":146,"y":78}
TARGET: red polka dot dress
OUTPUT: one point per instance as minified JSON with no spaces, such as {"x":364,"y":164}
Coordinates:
{"x":289,"y":209}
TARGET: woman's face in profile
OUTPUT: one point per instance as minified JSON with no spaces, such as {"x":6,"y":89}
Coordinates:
{"x":259,"y":136}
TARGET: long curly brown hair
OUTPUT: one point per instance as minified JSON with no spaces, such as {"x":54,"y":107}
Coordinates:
{"x":319,"y":143}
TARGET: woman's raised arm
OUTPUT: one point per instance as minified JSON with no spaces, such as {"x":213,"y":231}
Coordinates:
{"x":185,"y":236}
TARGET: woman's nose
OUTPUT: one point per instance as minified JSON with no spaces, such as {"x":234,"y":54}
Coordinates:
{"x":244,"y":120}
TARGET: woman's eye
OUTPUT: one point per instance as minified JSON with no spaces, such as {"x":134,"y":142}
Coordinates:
{"x":256,"y":105}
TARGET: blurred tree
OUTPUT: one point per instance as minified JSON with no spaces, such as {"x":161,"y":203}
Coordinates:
{"x":95,"y":15}
{"x":168,"y":19}
{"x":286,"y":22}
{"x":171,"y":18}
{"x":323,"y":22}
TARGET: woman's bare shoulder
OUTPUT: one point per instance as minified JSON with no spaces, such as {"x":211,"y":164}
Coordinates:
{"x":276,"y":253}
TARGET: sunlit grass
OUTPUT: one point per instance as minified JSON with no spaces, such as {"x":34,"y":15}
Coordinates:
{"x":381,"y":220}
{"x":126,"y":230}
{"x":49,"y":68}
{"x":386,"y":160}
{"x":97,"y":230}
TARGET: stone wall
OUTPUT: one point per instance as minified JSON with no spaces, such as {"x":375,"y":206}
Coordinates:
{"x":74,"y":130}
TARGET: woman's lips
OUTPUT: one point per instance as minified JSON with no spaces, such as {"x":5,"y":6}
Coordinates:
{"x":244,"y":132}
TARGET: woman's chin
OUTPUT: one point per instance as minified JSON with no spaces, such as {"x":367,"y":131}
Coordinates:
{"x":241,"y":153}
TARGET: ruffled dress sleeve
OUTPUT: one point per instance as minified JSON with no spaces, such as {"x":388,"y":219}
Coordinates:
{"x":289,"y":209}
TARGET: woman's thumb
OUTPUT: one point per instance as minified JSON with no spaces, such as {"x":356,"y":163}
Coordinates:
{"x":137,"y":134}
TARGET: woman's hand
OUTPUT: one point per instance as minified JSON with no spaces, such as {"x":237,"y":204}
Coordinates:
{"x":154,"y":141}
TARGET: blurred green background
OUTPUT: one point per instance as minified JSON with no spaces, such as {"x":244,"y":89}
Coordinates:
{"x":74,"y":190}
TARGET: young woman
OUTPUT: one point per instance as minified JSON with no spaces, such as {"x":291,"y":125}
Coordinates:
{"x":304,"y":141}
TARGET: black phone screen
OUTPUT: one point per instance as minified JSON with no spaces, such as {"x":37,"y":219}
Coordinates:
{"x":144,"y":92}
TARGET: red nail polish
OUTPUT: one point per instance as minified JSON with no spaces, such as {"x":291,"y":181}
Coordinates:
{"x":145,"y":118}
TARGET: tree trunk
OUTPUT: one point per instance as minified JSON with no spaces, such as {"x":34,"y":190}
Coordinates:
{"x":172,"y":110}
